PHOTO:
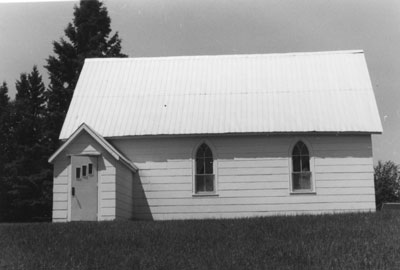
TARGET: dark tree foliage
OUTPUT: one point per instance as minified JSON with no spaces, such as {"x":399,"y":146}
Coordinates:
{"x":4,"y":98}
{"x":4,"y":114}
{"x":28,"y":176}
{"x":87,"y":36}
{"x":4,"y":124}
{"x":30,"y":125}
{"x":5,"y":147}
{"x":387,"y":183}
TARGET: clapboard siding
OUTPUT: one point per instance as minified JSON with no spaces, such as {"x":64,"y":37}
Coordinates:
{"x":254,"y":200}
{"x":166,"y":172}
{"x":63,"y":205}
{"x":253,"y":176}
{"x":60,"y":197}
{"x":344,"y":176}
{"x":107,"y":186}
{"x":108,"y":203}
{"x":253,"y":171}
{"x":252,"y":186}
{"x":61,"y":180}
{"x":253,"y":163}
{"x":206,"y":209}
{"x":346,"y":190}
{"x":343,"y":161}
{"x":60,"y":189}
{"x":345,"y":183}
{"x":343,"y":168}
{"x":106,"y":195}
{"x":59,"y":215}
{"x":124,"y":190}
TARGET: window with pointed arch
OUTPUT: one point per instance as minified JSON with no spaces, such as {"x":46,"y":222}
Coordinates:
{"x":204,"y":177}
{"x":301,"y":168}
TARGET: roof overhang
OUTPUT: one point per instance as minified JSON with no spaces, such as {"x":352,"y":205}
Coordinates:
{"x":100,"y":140}
{"x":278,"y":133}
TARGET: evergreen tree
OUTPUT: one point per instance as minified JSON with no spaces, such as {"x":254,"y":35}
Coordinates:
{"x":28,"y":175}
{"x":4,"y":98}
{"x":30,"y":107}
{"x":5,"y":151}
{"x":4,"y":125}
{"x":87,"y":36}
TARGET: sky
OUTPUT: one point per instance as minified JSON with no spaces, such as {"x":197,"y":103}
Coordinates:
{"x":192,"y":27}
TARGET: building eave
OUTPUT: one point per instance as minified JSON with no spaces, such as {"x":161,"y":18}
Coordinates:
{"x":99,"y":139}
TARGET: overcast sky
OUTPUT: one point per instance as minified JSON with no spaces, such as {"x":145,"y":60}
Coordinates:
{"x":184,"y":27}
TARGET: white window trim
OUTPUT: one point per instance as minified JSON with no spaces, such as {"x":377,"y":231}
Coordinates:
{"x":215,"y":170}
{"x":312,"y":167}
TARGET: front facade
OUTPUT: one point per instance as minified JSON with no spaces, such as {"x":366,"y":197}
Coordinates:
{"x":243,"y":160}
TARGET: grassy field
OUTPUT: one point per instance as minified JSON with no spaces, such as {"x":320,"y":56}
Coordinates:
{"x":345,"y":241}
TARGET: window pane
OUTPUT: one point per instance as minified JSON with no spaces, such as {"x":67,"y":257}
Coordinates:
{"x":204,"y":160}
{"x":84,"y":171}
{"x":204,"y":179}
{"x":296,"y":163}
{"x":90,"y":168}
{"x":304,"y":150}
{"x":300,"y":149}
{"x":208,"y":152}
{"x":200,"y":166}
{"x":301,"y":181}
{"x":78,"y":173}
{"x":209,"y":165}
{"x":305,"y":163}
{"x":209,"y":183}
{"x":204,"y":183}
{"x":296,"y":181}
{"x":200,"y":183}
{"x":201,"y":151}
{"x":204,"y":151}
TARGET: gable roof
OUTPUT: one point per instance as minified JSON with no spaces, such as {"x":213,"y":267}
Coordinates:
{"x":293,"y":92}
{"x":99,"y":139}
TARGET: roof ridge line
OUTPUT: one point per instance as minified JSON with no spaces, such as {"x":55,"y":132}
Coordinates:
{"x":172,"y":57}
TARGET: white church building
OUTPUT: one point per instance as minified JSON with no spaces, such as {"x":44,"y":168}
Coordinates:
{"x":221,"y":136}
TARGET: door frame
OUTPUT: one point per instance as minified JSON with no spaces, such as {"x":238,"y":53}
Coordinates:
{"x":70,"y":175}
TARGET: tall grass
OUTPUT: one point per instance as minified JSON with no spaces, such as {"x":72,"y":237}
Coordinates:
{"x":343,"y":241}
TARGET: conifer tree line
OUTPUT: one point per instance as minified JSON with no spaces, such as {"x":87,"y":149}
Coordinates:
{"x":30,"y":124}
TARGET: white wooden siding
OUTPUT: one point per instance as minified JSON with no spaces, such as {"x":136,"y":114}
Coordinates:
{"x":124,"y":188}
{"x":107,"y":187}
{"x":60,"y":188}
{"x":253,"y":176}
{"x":106,"y":166}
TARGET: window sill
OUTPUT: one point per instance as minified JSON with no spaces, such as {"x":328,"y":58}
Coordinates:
{"x":205,"y":195}
{"x":303,"y":192}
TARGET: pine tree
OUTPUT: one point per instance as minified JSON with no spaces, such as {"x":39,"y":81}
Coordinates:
{"x":28,"y":175}
{"x":5,"y":149}
{"x":4,"y":125}
{"x":4,"y":98}
{"x":86,"y":37}
{"x":30,"y":103}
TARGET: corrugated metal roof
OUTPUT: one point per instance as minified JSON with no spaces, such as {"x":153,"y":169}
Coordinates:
{"x":294,"y":92}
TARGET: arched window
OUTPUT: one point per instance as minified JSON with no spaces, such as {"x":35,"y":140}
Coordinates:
{"x":204,"y":178}
{"x":301,"y":169}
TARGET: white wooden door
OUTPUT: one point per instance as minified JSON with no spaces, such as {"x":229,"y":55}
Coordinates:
{"x":84,"y":204}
